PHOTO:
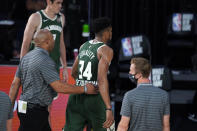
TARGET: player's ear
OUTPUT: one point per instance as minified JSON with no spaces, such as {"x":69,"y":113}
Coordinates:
{"x":48,"y":42}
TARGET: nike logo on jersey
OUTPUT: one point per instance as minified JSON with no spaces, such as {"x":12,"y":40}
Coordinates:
{"x":45,"y":20}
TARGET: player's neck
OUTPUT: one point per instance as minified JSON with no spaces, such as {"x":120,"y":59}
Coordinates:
{"x":99,"y":39}
{"x":49,"y":13}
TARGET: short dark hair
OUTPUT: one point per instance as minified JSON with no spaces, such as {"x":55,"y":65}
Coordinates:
{"x":100,"y":24}
{"x":142,"y":65}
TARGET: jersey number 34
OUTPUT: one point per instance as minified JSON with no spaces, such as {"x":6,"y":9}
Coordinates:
{"x":85,"y":73}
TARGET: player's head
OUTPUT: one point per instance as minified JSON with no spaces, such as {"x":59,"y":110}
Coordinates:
{"x":54,"y":5}
{"x":102,"y":27}
{"x":140,"y":68}
{"x":44,"y":39}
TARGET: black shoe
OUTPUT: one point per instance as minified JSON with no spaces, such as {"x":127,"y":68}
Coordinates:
{"x":192,"y":117}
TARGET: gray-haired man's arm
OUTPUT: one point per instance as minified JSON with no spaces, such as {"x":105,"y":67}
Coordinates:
{"x":51,"y":77}
{"x":16,"y":83}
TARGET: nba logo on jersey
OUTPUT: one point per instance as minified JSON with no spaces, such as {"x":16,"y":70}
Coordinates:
{"x":176,"y":22}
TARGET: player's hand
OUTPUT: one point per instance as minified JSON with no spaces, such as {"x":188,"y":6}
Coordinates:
{"x":65,"y":74}
{"x":91,"y":89}
{"x":109,"y":119}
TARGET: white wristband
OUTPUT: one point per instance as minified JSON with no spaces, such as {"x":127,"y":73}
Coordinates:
{"x":85,"y":89}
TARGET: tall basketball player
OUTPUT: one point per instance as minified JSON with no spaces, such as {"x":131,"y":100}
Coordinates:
{"x":50,"y":18}
{"x":91,"y":66}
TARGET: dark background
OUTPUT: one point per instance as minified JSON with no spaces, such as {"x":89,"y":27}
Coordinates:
{"x":129,"y":17}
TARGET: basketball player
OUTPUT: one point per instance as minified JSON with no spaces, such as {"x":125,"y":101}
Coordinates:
{"x":50,"y":18}
{"x":91,"y":66}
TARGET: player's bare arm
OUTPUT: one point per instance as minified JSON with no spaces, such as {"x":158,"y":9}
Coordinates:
{"x":63,"y":52}
{"x":32,"y":24}
{"x":105,"y":55}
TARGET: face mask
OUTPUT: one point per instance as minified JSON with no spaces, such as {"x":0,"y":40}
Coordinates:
{"x":133,"y":79}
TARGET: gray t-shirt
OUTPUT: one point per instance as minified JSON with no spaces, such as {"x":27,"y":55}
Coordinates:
{"x":6,"y":112}
{"x":145,"y":105}
{"x":36,"y":71}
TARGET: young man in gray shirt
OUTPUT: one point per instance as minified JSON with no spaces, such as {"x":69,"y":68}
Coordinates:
{"x":146,"y":107}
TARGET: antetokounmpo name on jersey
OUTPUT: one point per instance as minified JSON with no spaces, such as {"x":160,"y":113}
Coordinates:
{"x":84,"y":82}
{"x":88,"y":53}
{"x":54,"y":27}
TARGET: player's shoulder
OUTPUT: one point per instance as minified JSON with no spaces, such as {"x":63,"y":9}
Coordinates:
{"x":34,"y":17}
{"x":106,"y":48}
{"x":106,"y":51}
{"x":84,"y":44}
{"x":109,"y":49}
